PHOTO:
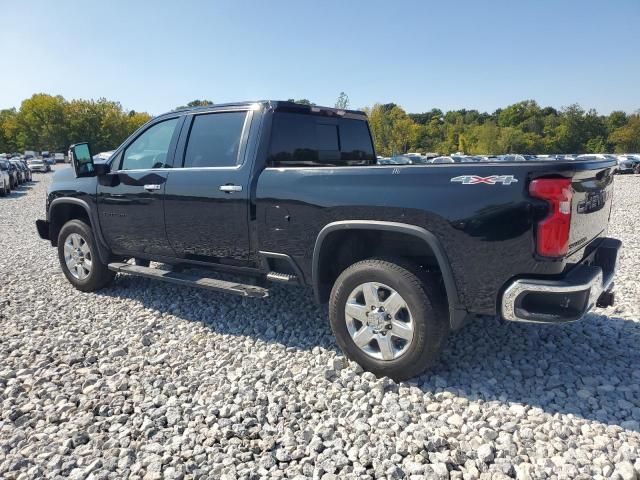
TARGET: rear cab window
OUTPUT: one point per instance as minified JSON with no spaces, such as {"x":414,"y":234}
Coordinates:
{"x":214,"y":140}
{"x":307,"y":140}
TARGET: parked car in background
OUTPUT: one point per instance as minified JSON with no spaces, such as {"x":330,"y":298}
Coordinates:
{"x":48,"y":158}
{"x":402,"y":160}
{"x":58,"y":157}
{"x":5,"y":178}
{"x":628,"y":163}
{"x":22,"y":177}
{"x":444,"y":159}
{"x":22,"y":165}
{"x":512,"y":157}
{"x":103,"y":156}
{"x":39,"y":165}
{"x":13,"y":173}
{"x":465,"y":158}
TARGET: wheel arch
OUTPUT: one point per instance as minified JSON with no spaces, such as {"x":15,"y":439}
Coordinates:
{"x":457,"y":312}
{"x":63,"y":209}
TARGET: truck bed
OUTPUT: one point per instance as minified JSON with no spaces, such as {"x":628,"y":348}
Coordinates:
{"x":485,"y":222}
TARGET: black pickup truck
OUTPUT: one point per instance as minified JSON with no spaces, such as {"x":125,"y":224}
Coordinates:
{"x":279,"y":192}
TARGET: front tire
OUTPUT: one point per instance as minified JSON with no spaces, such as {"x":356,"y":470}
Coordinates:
{"x":389,"y":317}
{"x":79,"y":257}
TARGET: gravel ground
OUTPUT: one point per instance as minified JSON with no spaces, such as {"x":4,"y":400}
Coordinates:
{"x":147,"y":380}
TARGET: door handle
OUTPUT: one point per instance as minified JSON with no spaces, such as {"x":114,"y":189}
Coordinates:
{"x":152,"y":187}
{"x":231,"y":188}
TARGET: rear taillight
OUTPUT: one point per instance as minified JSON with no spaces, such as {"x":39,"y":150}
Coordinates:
{"x":553,"y":231}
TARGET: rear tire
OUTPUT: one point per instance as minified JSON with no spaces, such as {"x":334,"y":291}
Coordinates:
{"x":407,"y":333}
{"x":79,"y":257}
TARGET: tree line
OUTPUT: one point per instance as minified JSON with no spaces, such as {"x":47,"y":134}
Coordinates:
{"x":523,"y":127}
{"x":51,"y":123}
{"x":47,"y":122}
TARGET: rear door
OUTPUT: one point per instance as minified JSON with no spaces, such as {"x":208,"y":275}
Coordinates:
{"x":130,"y":196}
{"x":207,"y":194}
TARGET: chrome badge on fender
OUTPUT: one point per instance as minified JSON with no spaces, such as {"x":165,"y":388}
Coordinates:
{"x":492,"y":180}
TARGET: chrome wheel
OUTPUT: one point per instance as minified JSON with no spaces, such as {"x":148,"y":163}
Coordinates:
{"x":379,"y":321}
{"x":77,"y":256}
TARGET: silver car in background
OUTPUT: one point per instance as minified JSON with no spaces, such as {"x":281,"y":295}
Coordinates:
{"x":39,"y":165}
{"x":5,"y":178}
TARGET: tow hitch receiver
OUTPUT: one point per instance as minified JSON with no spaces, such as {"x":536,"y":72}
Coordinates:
{"x":607,"y":299}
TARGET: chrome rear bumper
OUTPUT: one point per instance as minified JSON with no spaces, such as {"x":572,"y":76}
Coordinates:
{"x":566,"y":299}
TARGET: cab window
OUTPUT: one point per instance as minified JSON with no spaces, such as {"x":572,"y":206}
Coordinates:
{"x":303,"y":140}
{"x":214,"y":140}
{"x":151,"y":149}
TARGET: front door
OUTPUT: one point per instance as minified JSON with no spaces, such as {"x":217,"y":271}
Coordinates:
{"x":207,"y":199}
{"x":130,"y":197}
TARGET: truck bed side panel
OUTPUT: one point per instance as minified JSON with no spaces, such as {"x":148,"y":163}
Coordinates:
{"x":485,"y":229}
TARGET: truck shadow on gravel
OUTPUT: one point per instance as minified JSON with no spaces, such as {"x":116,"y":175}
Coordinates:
{"x":588,"y":368}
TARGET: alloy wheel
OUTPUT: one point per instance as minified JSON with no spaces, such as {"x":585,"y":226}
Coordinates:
{"x":77,"y":256}
{"x":379,"y":321}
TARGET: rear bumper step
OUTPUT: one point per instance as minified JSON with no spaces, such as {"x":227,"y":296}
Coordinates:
{"x":190,"y":280}
{"x":566,"y":299}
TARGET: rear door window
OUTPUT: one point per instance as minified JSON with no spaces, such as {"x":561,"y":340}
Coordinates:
{"x":214,"y":140}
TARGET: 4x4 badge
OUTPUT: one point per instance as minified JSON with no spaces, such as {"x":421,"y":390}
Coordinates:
{"x":492,"y":180}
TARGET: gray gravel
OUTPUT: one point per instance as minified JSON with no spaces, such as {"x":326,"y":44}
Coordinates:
{"x":146,"y":380}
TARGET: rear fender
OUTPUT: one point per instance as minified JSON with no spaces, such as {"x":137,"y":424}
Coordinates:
{"x":457,"y":312}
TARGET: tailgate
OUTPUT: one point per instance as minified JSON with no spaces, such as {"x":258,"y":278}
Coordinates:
{"x":591,"y":204}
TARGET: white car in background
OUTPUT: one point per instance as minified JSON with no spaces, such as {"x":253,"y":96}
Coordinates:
{"x":38,"y":165}
{"x":443,"y":159}
{"x":5,"y":178}
{"x":103,"y":156}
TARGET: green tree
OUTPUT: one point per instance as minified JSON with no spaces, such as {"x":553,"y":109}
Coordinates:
{"x":615,"y":120}
{"x":343,"y":101}
{"x":302,"y":101}
{"x":8,"y":130}
{"x":626,"y":139}
{"x":196,"y":103}
{"x":40,"y":123}
{"x":486,"y":139}
{"x":102,"y":123}
{"x":393,"y":131}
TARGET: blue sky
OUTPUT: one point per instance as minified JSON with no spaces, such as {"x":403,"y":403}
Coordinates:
{"x":154,"y":56}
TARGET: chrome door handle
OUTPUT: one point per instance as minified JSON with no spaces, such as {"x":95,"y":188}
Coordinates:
{"x":151,"y":187}
{"x":231,"y":188}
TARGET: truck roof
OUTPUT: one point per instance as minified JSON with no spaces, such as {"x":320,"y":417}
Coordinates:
{"x":280,"y":105}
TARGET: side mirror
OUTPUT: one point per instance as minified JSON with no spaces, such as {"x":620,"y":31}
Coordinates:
{"x":101,"y":168}
{"x":82,"y":160}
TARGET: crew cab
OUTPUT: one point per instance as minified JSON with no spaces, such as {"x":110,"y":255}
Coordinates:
{"x":275,"y":191}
